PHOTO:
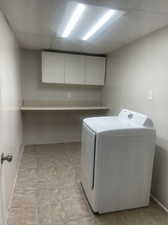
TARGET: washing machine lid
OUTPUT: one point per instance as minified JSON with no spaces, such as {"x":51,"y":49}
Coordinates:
{"x":109,"y":123}
{"x":126,"y":121}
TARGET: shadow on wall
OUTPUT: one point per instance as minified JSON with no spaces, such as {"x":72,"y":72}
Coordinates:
{"x":160,"y":171}
{"x":50,"y":127}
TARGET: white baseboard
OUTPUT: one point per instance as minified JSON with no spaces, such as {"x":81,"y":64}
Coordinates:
{"x":44,"y":142}
{"x":159,"y":203}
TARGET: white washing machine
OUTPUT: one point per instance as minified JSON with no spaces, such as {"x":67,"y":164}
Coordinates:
{"x":117,"y":161}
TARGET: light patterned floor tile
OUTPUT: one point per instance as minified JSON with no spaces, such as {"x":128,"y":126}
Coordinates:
{"x":82,"y":221}
{"x":29,"y":161}
{"x":51,"y":214}
{"x":48,"y":192}
{"x":29,"y":149}
{"x":76,"y":208}
{"x":47,"y":196}
{"x":110,"y":219}
{"x":26,"y":180}
{"x":23,"y":216}
{"x":24,"y":198}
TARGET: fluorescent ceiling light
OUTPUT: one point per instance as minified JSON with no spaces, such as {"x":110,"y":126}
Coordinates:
{"x":74,"y":19}
{"x":104,"y":19}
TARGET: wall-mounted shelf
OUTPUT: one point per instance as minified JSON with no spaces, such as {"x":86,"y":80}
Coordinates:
{"x":61,"y":108}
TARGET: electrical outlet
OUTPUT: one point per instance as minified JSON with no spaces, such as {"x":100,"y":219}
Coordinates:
{"x":150,"y":95}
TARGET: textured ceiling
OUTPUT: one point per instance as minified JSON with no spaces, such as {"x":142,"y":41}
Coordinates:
{"x":37,"y":23}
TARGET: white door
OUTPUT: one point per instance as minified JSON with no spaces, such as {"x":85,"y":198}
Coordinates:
{"x":74,"y":69}
{"x":95,"y":70}
{"x":1,"y":178}
{"x":53,"y":67}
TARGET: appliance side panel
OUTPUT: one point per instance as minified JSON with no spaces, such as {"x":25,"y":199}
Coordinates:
{"x":88,"y":163}
{"x":123,"y":172}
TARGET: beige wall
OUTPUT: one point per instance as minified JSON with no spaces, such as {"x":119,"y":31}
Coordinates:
{"x":52,"y":127}
{"x":10,"y":117}
{"x":132,"y":72}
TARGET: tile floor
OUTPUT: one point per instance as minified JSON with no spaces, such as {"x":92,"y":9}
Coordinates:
{"x":48,"y":192}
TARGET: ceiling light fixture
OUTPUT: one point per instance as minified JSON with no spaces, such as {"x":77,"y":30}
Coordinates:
{"x":103,"y":20}
{"x":74,"y":19}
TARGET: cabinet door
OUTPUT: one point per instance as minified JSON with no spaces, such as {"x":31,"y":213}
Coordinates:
{"x":74,"y":69}
{"x":95,"y":70}
{"x":53,"y":67}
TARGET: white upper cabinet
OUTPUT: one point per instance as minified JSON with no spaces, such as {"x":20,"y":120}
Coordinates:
{"x":95,"y":70}
{"x":53,"y":67}
{"x":74,"y":69}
